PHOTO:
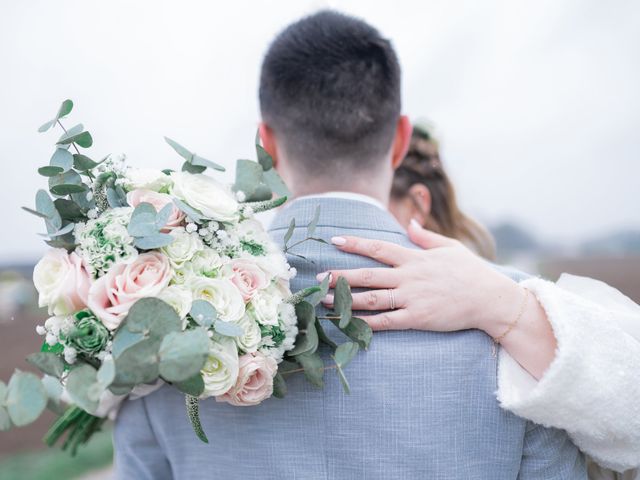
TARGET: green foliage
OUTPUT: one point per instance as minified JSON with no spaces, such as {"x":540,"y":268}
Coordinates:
{"x":26,"y":398}
{"x":192,"y":213}
{"x":313,"y":368}
{"x":342,"y":301}
{"x":307,"y":339}
{"x":63,"y":111}
{"x":182,"y":354}
{"x":193,"y":162}
{"x":228,"y":329}
{"x":357,"y":330}
{"x":279,"y":386}
{"x":191,"y":386}
{"x":49,"y":363}
{"x":249,"y":181}
{"x":79,"y":385}
{"x":145,"y":226}
{"x":203,"y":312}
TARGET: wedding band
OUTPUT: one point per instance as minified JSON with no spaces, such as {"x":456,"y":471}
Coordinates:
{"x":392,"y":300}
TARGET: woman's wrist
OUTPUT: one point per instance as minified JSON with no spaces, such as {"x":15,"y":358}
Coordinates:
{"x":500,"y":306}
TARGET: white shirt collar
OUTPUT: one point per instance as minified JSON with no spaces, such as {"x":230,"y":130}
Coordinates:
{"x":347,"y":196}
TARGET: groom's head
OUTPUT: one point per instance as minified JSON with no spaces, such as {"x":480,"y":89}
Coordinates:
{"x":330,"y":102}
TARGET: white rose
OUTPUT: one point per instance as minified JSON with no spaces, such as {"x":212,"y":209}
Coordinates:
{"x":248,"y":342}
{"x":265,"y":307}
{"x":220,"y":371}
{"x":179,"y":297}
{"x":147,"y":178}
{"x":222,"y":294}
{"x":206,"y":262}
{"x":253,"y":230}
{"x":274,"y":265}
{"x":62,"y":282}
{"x":205,"y":194}
{"x":183,"y":248}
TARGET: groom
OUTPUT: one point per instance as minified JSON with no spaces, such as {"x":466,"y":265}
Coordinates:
{"x":422,"y":404}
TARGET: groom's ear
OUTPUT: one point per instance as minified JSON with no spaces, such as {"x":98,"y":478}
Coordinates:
{"x":401,"y":141}
{"x":268,"y":141}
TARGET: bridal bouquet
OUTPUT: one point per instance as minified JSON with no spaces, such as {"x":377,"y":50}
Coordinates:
{"x":163,"y":277}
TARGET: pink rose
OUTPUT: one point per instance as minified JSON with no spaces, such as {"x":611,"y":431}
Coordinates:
{"x":62,"y":282}
{"x":255,"y":381}
{"x":159,"y":201}
{"x":111,"y":296}
{"x":248,"y":278}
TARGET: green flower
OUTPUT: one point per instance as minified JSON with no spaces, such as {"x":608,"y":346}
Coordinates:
{"x":89,"y":335}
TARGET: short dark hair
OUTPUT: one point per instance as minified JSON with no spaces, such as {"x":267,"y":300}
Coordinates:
{"x":330,"y":87}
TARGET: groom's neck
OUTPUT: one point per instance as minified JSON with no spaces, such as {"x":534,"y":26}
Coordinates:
{"x":378,"y":190}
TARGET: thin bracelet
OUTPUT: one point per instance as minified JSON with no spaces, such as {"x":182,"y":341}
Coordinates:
{"x":513,"y":324}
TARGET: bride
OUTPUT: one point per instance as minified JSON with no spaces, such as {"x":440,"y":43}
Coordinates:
{"x":570,"y":357}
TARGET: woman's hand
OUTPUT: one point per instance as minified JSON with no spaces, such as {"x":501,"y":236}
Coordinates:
{"x":444,"y":287}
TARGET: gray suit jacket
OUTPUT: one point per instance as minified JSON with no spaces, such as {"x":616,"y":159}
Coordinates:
{"x":422,"y":403}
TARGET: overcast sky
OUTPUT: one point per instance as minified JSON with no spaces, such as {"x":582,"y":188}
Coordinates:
{"x":537,"y":103}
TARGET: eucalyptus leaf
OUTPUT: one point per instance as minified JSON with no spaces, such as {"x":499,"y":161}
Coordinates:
{"x":359,"y":331}
{"x":83,"y":163}
{"x":46,"y":126}
{"x":203,"y":312}
{"x":228,"y":329}
{"x":316,"y":297}
{"x":153,"y":317}
{"x":62,"y":158}
{"x":52,"y":387}
{"x":114,"y":199}
{"x":307,"y":339}
{"x":50,"y":171}
{"x":248,"y":178}
{"x":264,"y":159}
{"x":71,"y":132}
{"x":5,"y":421}
{"x":49,"y":363}
{"x":45,"y":205}
{"x":163,"y":216}
{"x":142,"y":225}
{"x":183,"y":152}
{"x":311,"y":228}
{"x":37,"y":214}
{"x":151,"y":242}
{"x":343,"y":380}
{"x":63,"y":231}
{"x":79,"y":383}
{"x":198,"y":161}
{"x":124,"y":339}
{"x":190,"y":168}
{"x":342,"y":301}
{"x":137,"y":364}
{"x":182,"y":354}
{"x":67,"y":189}
{"x":69,"y":210}
{"x":313,"y":368}
{"x":275,"y":183}
{"x":279,"y":386}
{"x":65,"y":109}
{"x":106,"y":373}
{"x":143,"y":208}
{"x":191,"y":386}
{"x":82,"y":139}
{"x":192,"y":213}
{"x":3,"y":392}
{"x":345,"y":353}
{"x":323,"y":337}
{"x":290,"y":230}
{"x":26,"y":398}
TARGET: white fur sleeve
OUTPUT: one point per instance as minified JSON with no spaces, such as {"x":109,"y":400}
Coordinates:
{"x":592,"y":387}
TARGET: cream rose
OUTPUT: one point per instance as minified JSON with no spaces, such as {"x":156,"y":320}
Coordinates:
{"x":255,"y":381}
{"x":179,"y":297}
{"x":206,"y":262}
{"x":249,"y":341}
{"x":112,"y":295}
{"x":62,"y":282}
{"x":147,"y":179}
{"x":220,"y":371}
{"x":159,"y":201}
{"x":248,"y":277}
{"x":183,"y":248}
{"x":223,"y":294}
{"x":205,"y":194}
{"x":265,"y":307}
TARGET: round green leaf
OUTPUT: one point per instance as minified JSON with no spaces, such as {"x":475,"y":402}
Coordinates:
{"x":5,"y":421}
{"x":67,"y":189}
{"x":182,"y":354}
{"x":48,"y":363}
{"x":26,"y":398}
{"x":79,"y":384}
{"x":62,"y":158}
{"x":137,"y":364}
{"x":50,"y":171}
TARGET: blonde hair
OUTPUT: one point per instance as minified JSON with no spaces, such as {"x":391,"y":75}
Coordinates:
{"x":422,"y":165}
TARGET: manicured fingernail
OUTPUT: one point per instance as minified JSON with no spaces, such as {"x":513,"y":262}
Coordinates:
{"x":339,"y":241}
{"x":328,"y":300}
{"x":321,"y":276}
{"x":415,"y":224}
